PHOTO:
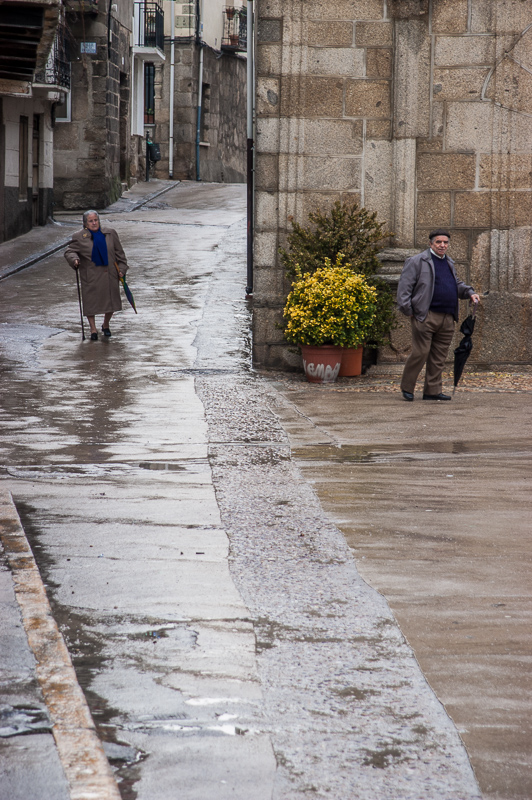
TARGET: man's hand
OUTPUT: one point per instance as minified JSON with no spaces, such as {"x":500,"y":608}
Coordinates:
{"x":475,"y":298}
{"x":76,"y":263}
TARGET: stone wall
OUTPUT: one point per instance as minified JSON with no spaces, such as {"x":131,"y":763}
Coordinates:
{"x":90,"y":158}
{"x":223,"y":148}
{"x":224,"y":129}
{"x":417,"y":109}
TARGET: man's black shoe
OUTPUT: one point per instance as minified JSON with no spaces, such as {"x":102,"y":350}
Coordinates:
{"x":408,"y":396}
{"x":440,"y":396}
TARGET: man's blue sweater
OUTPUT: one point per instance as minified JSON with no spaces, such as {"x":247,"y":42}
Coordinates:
{"x":445,"y":295}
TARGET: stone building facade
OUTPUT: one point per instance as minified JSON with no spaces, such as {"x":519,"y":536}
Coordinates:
{"x":94,"y":152}
{"x":421,"y":110}
{"x":121,"y":76}
{"x":222,"y":147}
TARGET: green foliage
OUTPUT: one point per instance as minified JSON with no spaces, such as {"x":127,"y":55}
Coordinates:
{"x":331,"y":305}
{"x":354,"y":232}
{"x":385,"y":317}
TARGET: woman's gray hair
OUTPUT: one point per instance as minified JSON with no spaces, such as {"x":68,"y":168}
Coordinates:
{"x":86,"y":216}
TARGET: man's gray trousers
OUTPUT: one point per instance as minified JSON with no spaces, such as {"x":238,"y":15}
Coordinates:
{"x":431,"y":340}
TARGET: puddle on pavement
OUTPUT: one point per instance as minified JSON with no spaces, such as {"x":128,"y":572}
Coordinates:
{"x":382,"y":758}
{"x":351,"y":692}
{"x":66,"y":471}
{"x":380,"y":453}
{"x":161,"y":465}
{"x":22,"y":719}
{"x":270,"y":633}
{"x":61,"y":472}
{"x":86,"y":651}
{"x":90,"y":641}
{"x":169,"y":372}
{"x":207,"y":371}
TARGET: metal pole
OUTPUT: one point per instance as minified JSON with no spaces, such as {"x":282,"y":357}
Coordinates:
{"x":80,"y":308}
{"x":198,"y":119}
{"x":172,"y":78}
{"x":147,"y":158}
{"x":199,"y":35}
{"x":250,"y":147}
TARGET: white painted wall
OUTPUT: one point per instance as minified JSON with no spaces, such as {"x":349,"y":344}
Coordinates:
{"x":212,"y":15}
{"x":14,"y":108}
{"x":46,"y":166}
{"x":137,"y":98}
{"x":213,"y":19}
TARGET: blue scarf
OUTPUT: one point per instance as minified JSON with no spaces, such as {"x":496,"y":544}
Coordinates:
{"x":99,"y":249}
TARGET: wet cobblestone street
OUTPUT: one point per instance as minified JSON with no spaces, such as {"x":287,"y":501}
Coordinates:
{"x":200,"y":530}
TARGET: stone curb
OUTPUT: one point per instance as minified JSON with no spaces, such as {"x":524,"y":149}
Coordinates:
{"x":123,"y":201}
{"x":80,"y":751}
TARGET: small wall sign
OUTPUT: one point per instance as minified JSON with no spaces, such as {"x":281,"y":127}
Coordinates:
{"x":88,"y":47}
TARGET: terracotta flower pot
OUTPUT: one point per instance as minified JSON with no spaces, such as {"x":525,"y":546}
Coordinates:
{"x":321,"y":364}
{"x":351,"y":362}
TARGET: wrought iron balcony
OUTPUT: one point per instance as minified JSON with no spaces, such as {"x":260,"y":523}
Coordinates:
{"x":235,"y":28}
{"x":56,"y":73}
{"x":149,"y":25}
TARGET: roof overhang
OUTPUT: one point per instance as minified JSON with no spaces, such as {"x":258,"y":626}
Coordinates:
{"x":27,"y":32}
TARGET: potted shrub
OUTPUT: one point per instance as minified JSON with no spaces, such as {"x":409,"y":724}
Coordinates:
{"x":355,"y":232}
{"x":327,"y":310}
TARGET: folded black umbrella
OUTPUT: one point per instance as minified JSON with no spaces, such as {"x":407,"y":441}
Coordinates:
{"x":461,"y":353}
{"x":127,"y":290}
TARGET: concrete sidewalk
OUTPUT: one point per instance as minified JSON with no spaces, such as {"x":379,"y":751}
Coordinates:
{"x":37,"y":244}
{"x":434,"y":500}
{"x":224,"y":640}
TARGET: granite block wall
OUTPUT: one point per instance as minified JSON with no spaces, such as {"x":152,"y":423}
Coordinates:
{"x":223,"y":129}
{"x":419,"y":110}
{"x":93,"y":153}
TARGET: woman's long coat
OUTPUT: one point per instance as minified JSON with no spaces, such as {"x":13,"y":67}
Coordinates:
{"x":100,"y":286}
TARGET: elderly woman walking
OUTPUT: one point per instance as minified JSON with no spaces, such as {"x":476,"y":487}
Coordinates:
{"x":101,"y":260}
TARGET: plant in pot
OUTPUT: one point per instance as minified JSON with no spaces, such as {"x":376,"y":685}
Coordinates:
{"x":327,"y":310}
{"x":349,"y":229}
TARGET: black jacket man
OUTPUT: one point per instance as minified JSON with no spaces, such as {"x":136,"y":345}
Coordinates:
{"x":428,"y":293}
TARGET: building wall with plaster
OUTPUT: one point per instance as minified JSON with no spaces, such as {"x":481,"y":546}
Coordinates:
{"x":26,"y":114}
{"x":421,"y":110}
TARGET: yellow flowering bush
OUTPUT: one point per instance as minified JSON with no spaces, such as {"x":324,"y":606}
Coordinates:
{"x":332,"y":305}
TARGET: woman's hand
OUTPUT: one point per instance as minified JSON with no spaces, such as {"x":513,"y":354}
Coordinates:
{"x":76,"y":263}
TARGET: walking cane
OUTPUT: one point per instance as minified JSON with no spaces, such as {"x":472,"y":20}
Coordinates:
{"x":80,"y":309}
